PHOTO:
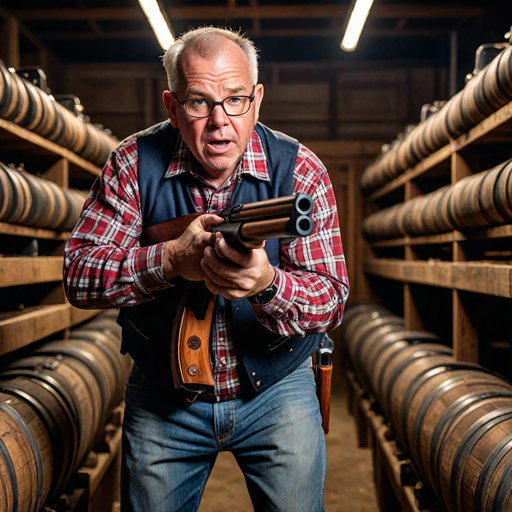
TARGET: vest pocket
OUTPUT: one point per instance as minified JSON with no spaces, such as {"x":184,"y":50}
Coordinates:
{"x":277,"y":343}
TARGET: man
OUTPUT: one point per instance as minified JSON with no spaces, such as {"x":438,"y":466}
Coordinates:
{"x":275,"y":303}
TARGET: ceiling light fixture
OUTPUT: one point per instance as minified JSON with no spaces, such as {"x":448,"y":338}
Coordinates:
{"x":159,"y":23}
{"x":355,"y":24}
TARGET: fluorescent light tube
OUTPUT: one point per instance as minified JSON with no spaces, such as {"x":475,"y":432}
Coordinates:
{"x":158,"y":22}
{"x":356,"y":24}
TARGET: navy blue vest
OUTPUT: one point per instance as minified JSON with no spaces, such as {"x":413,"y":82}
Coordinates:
{"x":267,"y":357}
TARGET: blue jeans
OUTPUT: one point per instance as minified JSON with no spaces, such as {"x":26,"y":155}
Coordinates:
{"x":276,"y":437}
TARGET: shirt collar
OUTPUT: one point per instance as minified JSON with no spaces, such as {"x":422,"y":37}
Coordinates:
{"x":254,"y":160}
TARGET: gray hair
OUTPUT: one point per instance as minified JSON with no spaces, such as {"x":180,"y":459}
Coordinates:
{"x":193,"y":39}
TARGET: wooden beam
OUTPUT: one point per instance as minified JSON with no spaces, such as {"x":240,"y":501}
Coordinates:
{"x":146,"y":34}
{"x":36,"y":140}
{"x":15,"y":271}
{"x":487,"y":278}
{"x":24,"y":329}
{"x":205,"y":12}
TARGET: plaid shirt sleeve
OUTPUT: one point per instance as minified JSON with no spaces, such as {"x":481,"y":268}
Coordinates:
{"x":104,"y":265}
{"x":312,"y":285}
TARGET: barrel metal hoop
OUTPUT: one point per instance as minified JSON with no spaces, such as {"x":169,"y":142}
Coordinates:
{"x":91,"y":363}
{"x":46,"y":417}
{"x":449,"y":417}
{"x":468,"y":442}
{"x":413,"y":386}
{"x":503,"y":491}
{"x":13,"y":413}
{"x":426,"y":376}
{"x":55,"y":387}
{"x":401,"y":367}
{"x":494,"y":458}
{"x":4,"y":453}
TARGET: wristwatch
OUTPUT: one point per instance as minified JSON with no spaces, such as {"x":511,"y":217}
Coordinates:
{"x":265,"y":296}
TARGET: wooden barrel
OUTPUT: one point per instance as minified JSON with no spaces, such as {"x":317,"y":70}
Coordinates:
{"x":453,"y":126}
{"x":474,"y":108}
{"x":33,"y":201}
{"x":27,"y":448}
{"x":421,"y":356}
{"x":473,"y":437}
{"x":491,"y":90}
{"x":6,"y":194}
{"x":464,"y":204}
{"x":6,"y":100}
{"x":120,"y":366}
{"x":453,"y":419}
{"x":503,"y":192}
{"x":54,"y":412}
{"x":11,"y":107}
{"x":72,"y":385}
{"x":427,"y":408}
{"x":505,"y":71}
{"x":489,"y":197}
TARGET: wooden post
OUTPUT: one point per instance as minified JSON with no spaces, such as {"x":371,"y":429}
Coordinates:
{"x":58,"y":173}
{"x":412,"y":315}
{"x":465,"y":339}
{"x":10,"y":40}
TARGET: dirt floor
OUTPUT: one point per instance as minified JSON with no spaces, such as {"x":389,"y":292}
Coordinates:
{"x":349,"y":473}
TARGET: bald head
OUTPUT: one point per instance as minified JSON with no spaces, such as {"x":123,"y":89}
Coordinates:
{"x":209,"y":43}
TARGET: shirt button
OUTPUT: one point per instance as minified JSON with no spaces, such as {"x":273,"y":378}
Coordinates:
{"x":258,"y":384}
{"x":221,"y":339}
{"x":253,"y":374}
{"x":291,"y":350}
{"x":279,"y":311}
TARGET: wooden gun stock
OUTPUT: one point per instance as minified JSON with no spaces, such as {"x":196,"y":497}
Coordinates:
{"x":246,"y":224}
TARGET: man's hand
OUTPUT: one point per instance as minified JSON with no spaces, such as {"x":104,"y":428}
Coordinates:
{"x":182,"y":257}
{"x":234,"y":274}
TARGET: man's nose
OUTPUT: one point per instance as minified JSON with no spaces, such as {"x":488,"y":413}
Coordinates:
{"x":218,"y":116}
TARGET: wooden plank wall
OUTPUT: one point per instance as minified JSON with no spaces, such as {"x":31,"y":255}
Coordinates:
{"x":310,"y":101}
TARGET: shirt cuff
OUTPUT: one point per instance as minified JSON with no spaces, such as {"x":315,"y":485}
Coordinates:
{"x":147,"y":269}
{"x":282,"y":300}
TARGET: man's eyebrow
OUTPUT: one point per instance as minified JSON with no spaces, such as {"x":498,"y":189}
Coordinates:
{"x":235,"y":89}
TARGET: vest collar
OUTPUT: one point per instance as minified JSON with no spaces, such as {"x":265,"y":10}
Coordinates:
{"x":254,"y":160}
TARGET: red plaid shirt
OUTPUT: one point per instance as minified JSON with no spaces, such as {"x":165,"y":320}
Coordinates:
{"x":106,"y":267}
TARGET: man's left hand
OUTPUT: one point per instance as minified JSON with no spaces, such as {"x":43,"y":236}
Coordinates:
{"x":234,"y":274}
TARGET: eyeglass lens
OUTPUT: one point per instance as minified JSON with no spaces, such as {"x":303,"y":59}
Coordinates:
{"x":233,"y":106}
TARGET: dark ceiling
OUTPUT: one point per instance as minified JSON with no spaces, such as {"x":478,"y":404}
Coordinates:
{"x":295,"y":30}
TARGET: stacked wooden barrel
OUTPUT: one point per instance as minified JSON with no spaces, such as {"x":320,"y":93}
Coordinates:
{"x":488,"y":90}
{"x":33,"y":201}
{"x":23,"y":103}
{"x":479,"y":200}
{"x":453,"y":419}
{"x":53,"y":405}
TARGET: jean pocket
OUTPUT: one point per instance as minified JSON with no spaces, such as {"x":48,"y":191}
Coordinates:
{"x":136,"y":377}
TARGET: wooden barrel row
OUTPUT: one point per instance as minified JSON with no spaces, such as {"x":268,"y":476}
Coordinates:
{"x":487,"y":91}
{"x":453,"y":419}
{"x":479,"y":200}
{"x":53,"y":406}
{"x":23,"y":103}
{"x":33,"y":201}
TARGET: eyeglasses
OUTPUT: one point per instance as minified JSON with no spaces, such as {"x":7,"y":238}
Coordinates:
{"x":232,"y":105}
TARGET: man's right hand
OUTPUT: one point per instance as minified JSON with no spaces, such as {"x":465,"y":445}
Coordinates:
{"x":182,"y":257}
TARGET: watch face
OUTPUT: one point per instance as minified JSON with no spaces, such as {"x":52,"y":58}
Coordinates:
{"x":266,"y":295}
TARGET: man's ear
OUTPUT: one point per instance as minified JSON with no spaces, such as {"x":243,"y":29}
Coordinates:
{"x":171,"y":105}
{"x":258,"y":97}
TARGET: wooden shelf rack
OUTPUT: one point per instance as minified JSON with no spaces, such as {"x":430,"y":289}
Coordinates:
{"x":495,"y":128}
{"x":455,"y":260}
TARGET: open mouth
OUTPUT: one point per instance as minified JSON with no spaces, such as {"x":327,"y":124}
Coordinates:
{"x":218,"y":145}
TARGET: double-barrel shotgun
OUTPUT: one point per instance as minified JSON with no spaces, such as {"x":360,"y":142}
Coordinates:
{"x":245,"y":225}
